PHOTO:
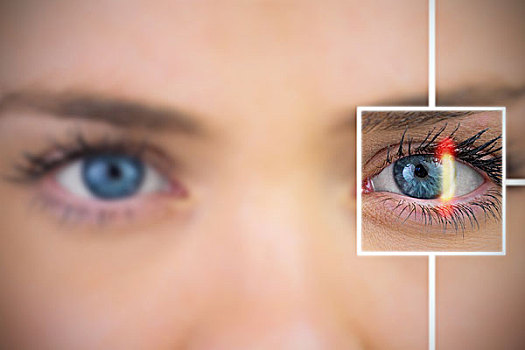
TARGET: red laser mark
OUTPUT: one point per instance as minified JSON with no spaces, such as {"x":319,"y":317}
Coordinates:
{"x":445,"y":210}
{"x":446,"y":146}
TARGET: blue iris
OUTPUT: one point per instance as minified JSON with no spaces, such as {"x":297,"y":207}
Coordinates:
{"x":112,"y":176}
{"x":418,"y":176}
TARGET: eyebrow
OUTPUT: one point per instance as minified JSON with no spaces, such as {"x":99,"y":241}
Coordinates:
{"x":114,"y":111}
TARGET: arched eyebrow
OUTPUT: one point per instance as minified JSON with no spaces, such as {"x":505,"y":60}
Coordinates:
{"x":123,"y":113}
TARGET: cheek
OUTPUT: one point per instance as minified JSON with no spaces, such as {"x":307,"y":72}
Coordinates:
{"x":97,"y":297}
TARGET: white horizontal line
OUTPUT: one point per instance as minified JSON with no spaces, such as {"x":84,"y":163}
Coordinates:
{"x":425,"y":108}
{"x":515,"y":182}
{"x":422,"y":253}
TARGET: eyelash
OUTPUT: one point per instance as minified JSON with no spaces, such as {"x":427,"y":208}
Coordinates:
{"x":454,"y":215}
{"x":485,"y":157}
{"x":36,"y":165}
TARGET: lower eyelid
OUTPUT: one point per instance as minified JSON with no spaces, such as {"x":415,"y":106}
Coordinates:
{"x":463,"y":199}
{"x":397,"y":208}
{"x":71,"y":208}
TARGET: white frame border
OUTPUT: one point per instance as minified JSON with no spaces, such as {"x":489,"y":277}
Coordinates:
{"x":360,"y":110}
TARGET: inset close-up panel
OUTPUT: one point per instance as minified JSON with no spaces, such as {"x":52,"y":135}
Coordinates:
{"x":432,"y":180}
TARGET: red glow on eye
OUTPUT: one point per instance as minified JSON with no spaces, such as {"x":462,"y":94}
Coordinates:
{"x":445,"y":210}
{"x":446,"y":146}
{"x":367,"y":186}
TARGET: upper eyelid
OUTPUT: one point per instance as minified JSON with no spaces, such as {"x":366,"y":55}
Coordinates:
{"x":384,"y":163}
{"x":35,"y":165}
{"x":395,"y":156}
{"x":430,"y":139}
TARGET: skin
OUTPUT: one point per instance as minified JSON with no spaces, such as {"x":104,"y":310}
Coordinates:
{"x":261,"y":253}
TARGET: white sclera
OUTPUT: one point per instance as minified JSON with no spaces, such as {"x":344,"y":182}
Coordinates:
{"x":467,"y":179}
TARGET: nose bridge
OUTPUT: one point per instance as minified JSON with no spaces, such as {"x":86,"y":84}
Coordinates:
{"x":276,"y":228}
{"x":274,"y":238}
{"x":275,"y":217}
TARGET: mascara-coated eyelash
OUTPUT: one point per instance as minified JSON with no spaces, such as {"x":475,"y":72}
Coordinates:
{"x":458,"y":216}
{"x":485,"y":157}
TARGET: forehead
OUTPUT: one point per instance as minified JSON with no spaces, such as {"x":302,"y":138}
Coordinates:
{"x":233,"y":55}
{"x":480,"y":42}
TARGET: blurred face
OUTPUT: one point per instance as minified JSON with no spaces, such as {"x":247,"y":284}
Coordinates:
{"x":181,"y":175}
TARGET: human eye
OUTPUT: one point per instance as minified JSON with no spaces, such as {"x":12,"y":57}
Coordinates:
{"x":445,"y":180}
{"x":104,"y":180}
{"x":423,"y":177}
{"x":109,"y":176}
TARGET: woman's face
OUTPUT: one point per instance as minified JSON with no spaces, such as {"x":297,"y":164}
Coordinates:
{"x":239,"y":117}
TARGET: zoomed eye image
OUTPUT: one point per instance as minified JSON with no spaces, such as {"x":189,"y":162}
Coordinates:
{"x":432,"y":180}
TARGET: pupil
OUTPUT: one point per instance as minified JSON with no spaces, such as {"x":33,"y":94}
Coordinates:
{"x":114,"y":172}
{"x":420,"y":171}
